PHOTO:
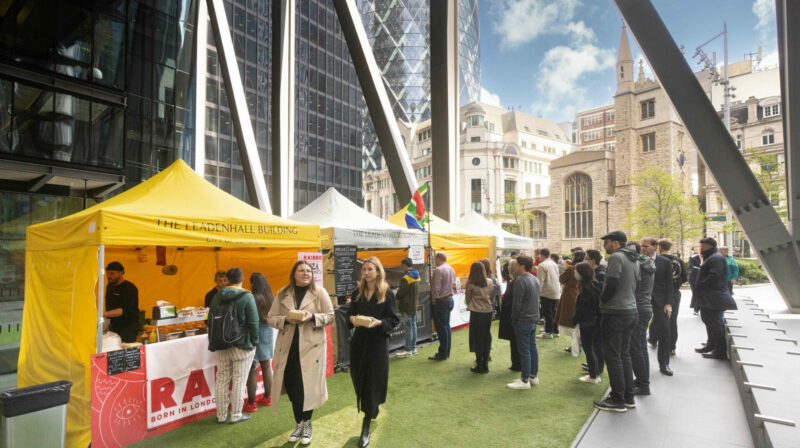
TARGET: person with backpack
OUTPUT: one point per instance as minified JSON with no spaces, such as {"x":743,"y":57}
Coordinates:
{"x":680,"y":275}
{"x":233,"y":335}
{"x":492,"y":281}
{"x":303,"y":376}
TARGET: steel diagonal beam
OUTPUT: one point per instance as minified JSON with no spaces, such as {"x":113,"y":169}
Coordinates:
{"x":789,"y":53}
{"x":380,"y":108}
{"x":767,"y":234}
{"x":246,"y":140}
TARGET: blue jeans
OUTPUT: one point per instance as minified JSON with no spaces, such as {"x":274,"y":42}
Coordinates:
{"x":441,"y":319}
{"x":526,"y":344}
{"x":640,"y":358}
{"x":410,"y":322}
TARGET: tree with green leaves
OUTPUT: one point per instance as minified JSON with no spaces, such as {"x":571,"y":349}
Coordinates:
{"x":769,"y":174}
{"x":513,"y":206}
{"x":663,"y":209}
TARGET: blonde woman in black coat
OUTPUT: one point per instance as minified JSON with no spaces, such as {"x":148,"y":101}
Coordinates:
{"x":369,"y":348}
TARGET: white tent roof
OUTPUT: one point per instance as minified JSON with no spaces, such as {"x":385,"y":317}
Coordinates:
{"x":504,"y":240}
{"x":352,"y":225}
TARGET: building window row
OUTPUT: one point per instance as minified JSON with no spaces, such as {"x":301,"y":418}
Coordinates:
{"x":475,"y":121}
{"x":423,"y":172}
{"x":424,"y":135}
{"x":591,"y":120}
{"x":767,"y":138}
{"x":510,"y":163}
{"x":772,"y":111}
{"x":590,"y":136}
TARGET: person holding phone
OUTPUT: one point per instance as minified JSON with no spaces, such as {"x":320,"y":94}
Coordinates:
{"x":373,"y":314}
{"x":300,"y":312}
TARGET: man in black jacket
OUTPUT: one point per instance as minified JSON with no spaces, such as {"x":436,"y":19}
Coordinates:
{"x":713,"y":298}
{"x":663,"y":301}
{"x":679,"y":277}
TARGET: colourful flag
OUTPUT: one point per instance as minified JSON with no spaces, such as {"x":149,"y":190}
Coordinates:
{"x":416,"y":216}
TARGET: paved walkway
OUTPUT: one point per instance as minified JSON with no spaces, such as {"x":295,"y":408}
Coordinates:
{"x":699,"y":406}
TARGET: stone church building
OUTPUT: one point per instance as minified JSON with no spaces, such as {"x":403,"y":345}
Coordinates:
{"x":590,"y":190}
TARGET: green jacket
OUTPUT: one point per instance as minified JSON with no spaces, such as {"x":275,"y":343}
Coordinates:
{"x":407,"y":298}
{"x":245,"y":309}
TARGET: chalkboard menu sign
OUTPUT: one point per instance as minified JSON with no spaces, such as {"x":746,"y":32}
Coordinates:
{"x":120,"y":361}
{"x":345,"y":260}
{"x":115,"y":362}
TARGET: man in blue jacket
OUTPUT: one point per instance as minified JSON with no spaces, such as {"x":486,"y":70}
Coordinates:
{"x":713,"y":299}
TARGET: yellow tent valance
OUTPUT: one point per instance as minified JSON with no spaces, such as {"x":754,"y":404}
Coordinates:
{"x":176,"y":207}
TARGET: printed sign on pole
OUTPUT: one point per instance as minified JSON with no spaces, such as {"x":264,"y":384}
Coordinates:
{"x":417,"y":254}
{"x":315,"y":260}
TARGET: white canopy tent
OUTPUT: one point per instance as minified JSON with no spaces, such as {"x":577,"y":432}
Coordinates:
{"x":503,"y":240}
{"x":344,"y":223}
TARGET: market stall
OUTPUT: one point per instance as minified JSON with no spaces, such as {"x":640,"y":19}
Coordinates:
{"x":350,"y":234}
{"x":463,"y":248}
{"x":503,"y":239}
{"x":172,"y":233}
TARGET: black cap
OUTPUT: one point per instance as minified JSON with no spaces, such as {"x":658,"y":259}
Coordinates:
{"x":514,"y":252}
{"x":407,"y":262}
{"x":115,"y":266}
{"x":617,"y":235}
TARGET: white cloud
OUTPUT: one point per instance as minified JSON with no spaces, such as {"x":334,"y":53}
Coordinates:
{"x":521,"y":21}
{"x":489,"y":97}
{"x":765,"y":12}
{"x":558,"y":81}
{"x":769,"y":61}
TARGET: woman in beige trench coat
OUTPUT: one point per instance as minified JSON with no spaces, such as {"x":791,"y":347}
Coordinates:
{"x":300,"y":348}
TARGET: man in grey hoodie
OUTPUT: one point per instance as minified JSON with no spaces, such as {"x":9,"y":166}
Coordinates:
{"x":524,"y":316}
{"x":618,"y":311}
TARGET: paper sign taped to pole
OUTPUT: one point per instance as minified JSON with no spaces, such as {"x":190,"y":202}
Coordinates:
{"x":417,"y":254}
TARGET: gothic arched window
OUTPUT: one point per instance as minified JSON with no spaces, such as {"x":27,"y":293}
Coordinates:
{"x":578,"y":206}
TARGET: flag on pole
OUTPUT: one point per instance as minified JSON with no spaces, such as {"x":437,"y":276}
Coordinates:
{"x":416,"y":216}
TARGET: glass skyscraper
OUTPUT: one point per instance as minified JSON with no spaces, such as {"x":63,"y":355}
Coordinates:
{"x":399,"y":33}
{"x":327,"y":102}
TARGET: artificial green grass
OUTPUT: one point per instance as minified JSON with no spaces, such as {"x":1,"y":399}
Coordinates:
{"x":430,"y":403}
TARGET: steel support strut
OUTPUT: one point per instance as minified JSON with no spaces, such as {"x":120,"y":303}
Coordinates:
{"x":767,"y":234}
{"x":444,"y":107}
{"x":377,"y":99}
{"x":245,"y":139}
{"x":283,"y":94}
{"x":787,"y":12}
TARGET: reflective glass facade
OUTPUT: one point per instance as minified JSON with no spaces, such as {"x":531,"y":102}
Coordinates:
{"x":399,"y":33}
{"x":61,"y":64}
{"x":327,"y":103}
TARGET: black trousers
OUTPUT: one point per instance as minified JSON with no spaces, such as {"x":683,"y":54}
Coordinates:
{"x":515,"y":364}
{"x":590,"y":343}
{"x":617,"y":331}
{"x":293,"y":380}
{"x":549,"y":313}
{"x":713,"y":319}
{"x":673,"y":321}
{"x":663,"y":335}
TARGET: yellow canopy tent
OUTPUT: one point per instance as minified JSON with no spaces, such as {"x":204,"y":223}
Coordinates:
{"x":461,"y":246}
{"x":204,"y":229}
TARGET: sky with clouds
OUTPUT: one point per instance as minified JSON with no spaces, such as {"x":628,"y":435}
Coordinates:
{"x":553,"y":58}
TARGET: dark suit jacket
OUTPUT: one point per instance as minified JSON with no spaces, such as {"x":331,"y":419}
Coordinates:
{"x":663,"y":287}
{"x":712,"y":283}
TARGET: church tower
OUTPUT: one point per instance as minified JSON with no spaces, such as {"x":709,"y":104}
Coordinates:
{"x":624,"y":64}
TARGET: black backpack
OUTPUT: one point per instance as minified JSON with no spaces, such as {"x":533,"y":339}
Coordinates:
{"x":679,"y":275}
{"x":224,"y":329}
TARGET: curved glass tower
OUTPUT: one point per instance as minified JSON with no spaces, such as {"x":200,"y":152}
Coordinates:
{"x":398,"y":32}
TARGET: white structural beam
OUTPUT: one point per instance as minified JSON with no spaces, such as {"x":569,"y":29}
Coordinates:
{"x":283,"y":110}
{"x":246,"y":140}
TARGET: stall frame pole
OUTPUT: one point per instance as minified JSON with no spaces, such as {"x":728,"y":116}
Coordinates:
{"x":101,"y":261}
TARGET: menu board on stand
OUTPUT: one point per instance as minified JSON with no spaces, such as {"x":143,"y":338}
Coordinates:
{"x":345,"y":260}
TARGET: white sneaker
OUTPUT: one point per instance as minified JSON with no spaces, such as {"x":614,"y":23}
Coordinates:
{"x":555,"y":335}
{"x":519,"y":385}
{"x":589,"y":379}
{"x":297,"y":433}
{"x":306,"y":433}
{"x":414,"y":352}
{"x":534,"y":380}
{"x":545,"y":336}
{"x":403,"y":354}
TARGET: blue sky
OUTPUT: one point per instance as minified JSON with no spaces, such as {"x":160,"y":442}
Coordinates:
{"x":555,"y":57}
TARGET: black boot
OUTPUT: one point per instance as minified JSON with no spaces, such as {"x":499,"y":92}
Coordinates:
{"x":364,"y":441}
{"x":478,"y":364}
